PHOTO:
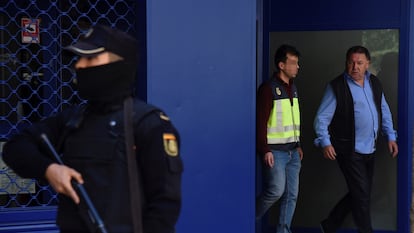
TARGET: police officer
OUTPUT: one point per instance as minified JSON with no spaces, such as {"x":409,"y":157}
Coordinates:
{"x":91,"y":141}
{"x":278,"y":138}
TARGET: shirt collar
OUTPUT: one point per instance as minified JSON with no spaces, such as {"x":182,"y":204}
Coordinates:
{"x":276,"y":75}
{"x":348,"y":77}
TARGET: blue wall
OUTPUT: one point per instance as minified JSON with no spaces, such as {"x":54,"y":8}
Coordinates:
{"x":335,"y":14}
{"x":201,"y":71}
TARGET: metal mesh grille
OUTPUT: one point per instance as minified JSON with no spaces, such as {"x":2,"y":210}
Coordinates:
{"x":36,"y":79}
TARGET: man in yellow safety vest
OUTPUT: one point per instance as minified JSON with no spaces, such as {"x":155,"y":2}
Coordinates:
{"x":278,"y":132}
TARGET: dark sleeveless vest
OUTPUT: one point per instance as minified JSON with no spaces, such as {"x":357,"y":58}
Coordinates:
{"x":342,"y":127}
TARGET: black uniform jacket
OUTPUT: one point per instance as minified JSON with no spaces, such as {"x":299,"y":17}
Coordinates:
{"x":92,"y":142}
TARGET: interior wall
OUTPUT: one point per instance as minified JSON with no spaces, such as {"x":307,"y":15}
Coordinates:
{"x":323,"y":58}
{"x":201,"y":71}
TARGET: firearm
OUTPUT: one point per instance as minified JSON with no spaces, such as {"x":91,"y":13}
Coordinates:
{"x":92,"y":214}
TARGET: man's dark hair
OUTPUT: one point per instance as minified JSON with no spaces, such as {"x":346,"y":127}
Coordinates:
{"x":358,"y":49}
{"x":282,"y":52}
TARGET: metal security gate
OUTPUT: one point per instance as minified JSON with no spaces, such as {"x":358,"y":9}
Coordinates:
{"x":36,"y":81}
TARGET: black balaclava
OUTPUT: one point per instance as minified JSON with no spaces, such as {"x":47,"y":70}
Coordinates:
{"x":106,"y":84}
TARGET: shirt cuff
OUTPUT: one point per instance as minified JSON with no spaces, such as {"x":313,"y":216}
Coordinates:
{"x":392,"y":136}
{"x":322,"y":142}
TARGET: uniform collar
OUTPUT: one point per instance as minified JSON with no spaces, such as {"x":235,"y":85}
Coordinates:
{"x":277,"y":78}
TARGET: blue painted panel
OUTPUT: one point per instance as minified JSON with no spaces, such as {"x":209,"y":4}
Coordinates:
{"x":406,"y":117}
{"x":29,"y":220}
{"x":334,"y":14}
{"x":201,"y":71}
{"x":20,"y":217}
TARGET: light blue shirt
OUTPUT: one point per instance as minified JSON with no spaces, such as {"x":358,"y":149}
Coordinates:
{"x":366,"y":117}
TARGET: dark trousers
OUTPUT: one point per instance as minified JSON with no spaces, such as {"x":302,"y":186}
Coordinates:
{"x":358,"y":171}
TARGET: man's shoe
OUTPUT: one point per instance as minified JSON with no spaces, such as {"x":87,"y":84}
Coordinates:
{"x":324,"y":227}
{"x":321,"y":227}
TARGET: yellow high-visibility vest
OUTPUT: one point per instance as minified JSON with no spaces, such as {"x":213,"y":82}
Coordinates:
{"x":283,"y":125}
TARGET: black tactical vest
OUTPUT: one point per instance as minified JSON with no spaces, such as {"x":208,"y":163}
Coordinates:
{"x":97,"y":150}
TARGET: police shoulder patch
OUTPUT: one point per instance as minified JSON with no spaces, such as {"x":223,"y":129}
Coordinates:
{"x":170,"y":144}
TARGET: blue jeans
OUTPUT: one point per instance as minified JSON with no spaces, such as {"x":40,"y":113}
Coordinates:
{"x":280,"y":182}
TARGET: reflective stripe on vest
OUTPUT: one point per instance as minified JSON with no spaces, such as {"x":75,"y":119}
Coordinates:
{"x":283,"y":125}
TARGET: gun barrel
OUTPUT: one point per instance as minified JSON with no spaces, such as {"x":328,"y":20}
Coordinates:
{"x":93,"y":213}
